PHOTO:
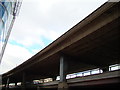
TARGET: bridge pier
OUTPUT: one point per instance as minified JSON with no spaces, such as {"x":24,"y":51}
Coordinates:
{"x":63,"y":72}
{"x":7,"y":84}
{"x":105,"y":69}
{"x":23,"y":81}
{"x":38,"y":87}
{"x":15,"y":83}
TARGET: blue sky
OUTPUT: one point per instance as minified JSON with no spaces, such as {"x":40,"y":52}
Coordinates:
{"x":39,"y":23}
{"x":32,"y":47}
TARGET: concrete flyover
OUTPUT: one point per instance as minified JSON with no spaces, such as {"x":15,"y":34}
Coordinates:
{"x":92,"y":43}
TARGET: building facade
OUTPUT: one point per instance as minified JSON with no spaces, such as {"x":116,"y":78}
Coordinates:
{"x":8,"y":11}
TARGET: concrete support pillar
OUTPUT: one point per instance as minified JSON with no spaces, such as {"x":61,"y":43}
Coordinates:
{"x":7,"y":84}
{"x":23,"y":81}
{"x":105,"y":69}
{"x":15,"y":83}
{"x":63,"y":72}
{"x":38,"y":87}
{"x":54,"y":78}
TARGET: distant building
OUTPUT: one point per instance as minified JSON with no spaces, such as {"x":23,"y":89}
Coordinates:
{"x":8,"y":11}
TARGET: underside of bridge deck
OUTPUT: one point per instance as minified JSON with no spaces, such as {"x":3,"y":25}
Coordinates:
{"x":92,"y":43}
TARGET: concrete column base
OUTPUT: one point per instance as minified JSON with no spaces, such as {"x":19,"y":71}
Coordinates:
{"x":38,"y":88}
{"x":63,"y":86}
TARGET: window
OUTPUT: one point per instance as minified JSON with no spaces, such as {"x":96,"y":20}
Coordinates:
{"x":114,"y":67}
{"x":2,"y":10}
{"x":58,"y":78}
{"x":86,"y":73}
{"x":79,"y":74}
{"x":95,"y":71}
{"x":68,"y":77}
{"x":73,"y":75}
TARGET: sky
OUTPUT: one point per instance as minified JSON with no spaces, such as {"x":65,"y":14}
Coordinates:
{"x":39,"y":23}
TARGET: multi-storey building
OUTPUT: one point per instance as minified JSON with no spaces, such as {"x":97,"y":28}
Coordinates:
{"x":8,"y":11}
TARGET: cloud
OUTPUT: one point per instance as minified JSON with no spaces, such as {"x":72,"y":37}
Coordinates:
{"x":13,"y":56}
{"x":39,"y":23}
{"x":49,"y":19}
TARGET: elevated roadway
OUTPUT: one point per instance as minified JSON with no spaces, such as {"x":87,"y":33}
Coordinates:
{"x":92,"y":43}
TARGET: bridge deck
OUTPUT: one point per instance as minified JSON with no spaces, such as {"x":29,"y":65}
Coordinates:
{"x":92,"y":43}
